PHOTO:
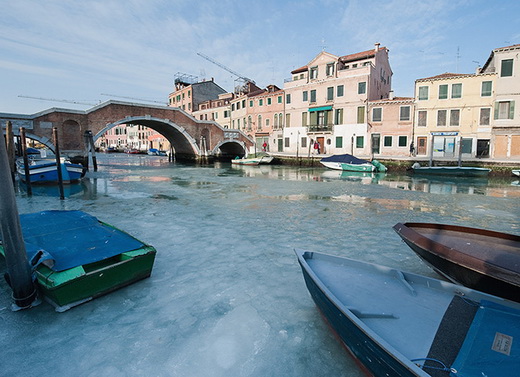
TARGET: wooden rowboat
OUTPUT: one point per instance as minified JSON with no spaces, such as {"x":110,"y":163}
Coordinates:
{"x":480,"y":259}
{"x":398,"y":324}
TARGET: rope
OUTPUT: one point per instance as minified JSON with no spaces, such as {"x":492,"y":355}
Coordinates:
{"x":444,"y":367}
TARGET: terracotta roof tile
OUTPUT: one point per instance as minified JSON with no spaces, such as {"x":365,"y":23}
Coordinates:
{"x":447,"y":75}
{"x":360,"y":55}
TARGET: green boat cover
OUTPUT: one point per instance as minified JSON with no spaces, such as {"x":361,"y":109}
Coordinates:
{"x":492,"y":345}
{"x":67,"y":239}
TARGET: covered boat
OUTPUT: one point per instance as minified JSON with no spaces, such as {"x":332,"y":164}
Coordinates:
{"x":44,"y":171}
{"x":481,"y":259}
{"x":76,"y":257}
{"x":348,"y":162}
{"x":399,"y":324}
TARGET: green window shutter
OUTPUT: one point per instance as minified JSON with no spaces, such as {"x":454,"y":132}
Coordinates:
{"x":512,"y":110}
{"x":496,"y":110}
{"x":339,"y":141}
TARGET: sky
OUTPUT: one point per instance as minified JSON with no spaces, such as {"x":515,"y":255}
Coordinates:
{"x":77,"y":54}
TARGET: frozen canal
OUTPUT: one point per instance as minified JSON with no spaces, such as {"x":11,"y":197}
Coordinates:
{"x":226,"y":296}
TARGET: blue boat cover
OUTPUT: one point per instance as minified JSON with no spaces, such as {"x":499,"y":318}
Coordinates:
{"x":492,"y":345}
{"x":346,"y":159}
{"x":72,"y":238}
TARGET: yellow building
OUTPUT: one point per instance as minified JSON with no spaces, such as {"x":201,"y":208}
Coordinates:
{"x":453,"y":115}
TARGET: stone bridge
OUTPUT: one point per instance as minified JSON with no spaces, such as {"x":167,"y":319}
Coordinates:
{"x":190,"y":138}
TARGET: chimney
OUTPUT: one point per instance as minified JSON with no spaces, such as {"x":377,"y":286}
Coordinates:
{"x":377,"y":46}
{"x":391,"y":94}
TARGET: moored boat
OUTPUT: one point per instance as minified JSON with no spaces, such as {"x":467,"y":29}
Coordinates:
{"x":78,"y":258}
{"x":260,"y":159}
{"x":481,"y":259}
{"x":44,"y":171}
{"x":516,"y":172}
{"x":460,"y":171}
{"x":399,"y":324}
{"x":348,"y":162}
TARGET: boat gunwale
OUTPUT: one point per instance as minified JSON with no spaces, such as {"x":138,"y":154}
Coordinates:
{"x":410,"y":235}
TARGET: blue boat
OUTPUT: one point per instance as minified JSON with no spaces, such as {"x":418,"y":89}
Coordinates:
{"x":44,"y":171}
{"x":399,"y":324}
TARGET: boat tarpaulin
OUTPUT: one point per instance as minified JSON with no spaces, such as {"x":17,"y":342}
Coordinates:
{"x":492,"y":345}
{"x":72,"y":238}
{"x":345,"y":158}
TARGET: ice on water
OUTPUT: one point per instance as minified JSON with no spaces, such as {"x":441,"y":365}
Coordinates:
{"x":226,"y":296}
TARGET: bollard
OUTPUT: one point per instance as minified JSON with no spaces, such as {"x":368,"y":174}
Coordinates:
{"x":18,"y":268}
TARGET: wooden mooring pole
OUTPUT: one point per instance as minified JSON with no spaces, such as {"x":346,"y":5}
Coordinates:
{"x":10,"y":148}
{"x":58,"y":161}
{"x":18,"y":268}
{"x":25,"y":161}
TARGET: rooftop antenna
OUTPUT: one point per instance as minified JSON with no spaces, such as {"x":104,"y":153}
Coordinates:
{"x":323,"y":45}
{"x":458,"y":58}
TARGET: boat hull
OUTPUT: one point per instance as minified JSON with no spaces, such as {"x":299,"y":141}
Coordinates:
{"x":349,"y":167}
{"x":47,"y":173}
{"x":369,"y":353}
{"x":480,"y":259}
{"x":452,"y":171}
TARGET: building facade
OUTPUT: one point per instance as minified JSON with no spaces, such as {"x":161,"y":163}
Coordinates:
{"x":453,"y":115}
{"x":504,"y":63}
{"x":326,"y":102}
{"x":391,"y":127}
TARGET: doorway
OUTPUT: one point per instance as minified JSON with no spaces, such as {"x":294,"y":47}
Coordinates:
{"x":376,"y":143}
{"x":421,"y":145}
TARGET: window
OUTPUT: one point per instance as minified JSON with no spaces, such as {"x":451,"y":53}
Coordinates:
{"x":466,"y":145}
{"x":304,"y":142}
{"x":233,"y":107}
{"x":360,"y":141}
{"x":243,"y":103}
{"x":339,"y":116}
{"x":260,"y":102}
{"x":251,"y":103}
{"x":486,"y":88}
{"x":456,"y":90}
{"x":279,"y":99}
{"x":441,"y":118}
{"x":275,"y":121}
{"x":362,"y":88}
{"x":506,"y":68}
{"x":403,"y":141}
{"x":454,"y":117}
{"x":314,"y":73}
{"x":387,"y":141}
{"x":340,"y":91}
{"x":226,"y":113}
{"x":361,"y":114}
{"x":377,"y":113}
{"x":287,"y":120}
{"x":443,"y":91}
{"x":269,"y":100}
{"x":485,"y":115}
{"x":421,"y":118}
{"x":304,"y":119}
{"x":505,"y":110}
{"x":423,"y":93}
{"x":305,"y":96}
{"x":330,"y":93}
{"x":313,"y":96}
{"x":287,"y":142}
{"x":404,"y":113}
{"x":259,"y":123}
{"x":339,"y":141}
{"x":288,"y":98}
{"x":330,"y":69}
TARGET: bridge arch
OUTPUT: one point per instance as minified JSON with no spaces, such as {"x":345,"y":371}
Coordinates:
{"x":184,"y":145}
{"x":230,"y":149}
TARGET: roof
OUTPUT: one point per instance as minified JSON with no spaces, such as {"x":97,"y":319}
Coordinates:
{"x":360,"y":55}
{"x":500,"y":49}
{"x":446,"y":75}
{"x":390,"y":100}
{"x":347,"y":58}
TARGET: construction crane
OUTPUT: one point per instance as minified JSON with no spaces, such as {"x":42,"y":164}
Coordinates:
{"x":60,"y":100}
{"x":240,"y":77}
{"x":138,"y":99}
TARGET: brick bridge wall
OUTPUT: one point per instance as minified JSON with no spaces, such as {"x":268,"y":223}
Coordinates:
{"x":182,"y":130}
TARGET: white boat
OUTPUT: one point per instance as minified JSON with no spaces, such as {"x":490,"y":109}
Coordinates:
{"x":258,"y":160}
{"x":516,"y":172}
{"x":399,"y":324}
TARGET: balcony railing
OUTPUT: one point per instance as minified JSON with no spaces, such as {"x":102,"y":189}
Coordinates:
{"x":319,"y":128}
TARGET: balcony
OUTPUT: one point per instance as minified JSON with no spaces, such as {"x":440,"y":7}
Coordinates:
{"x":319,"y":127}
